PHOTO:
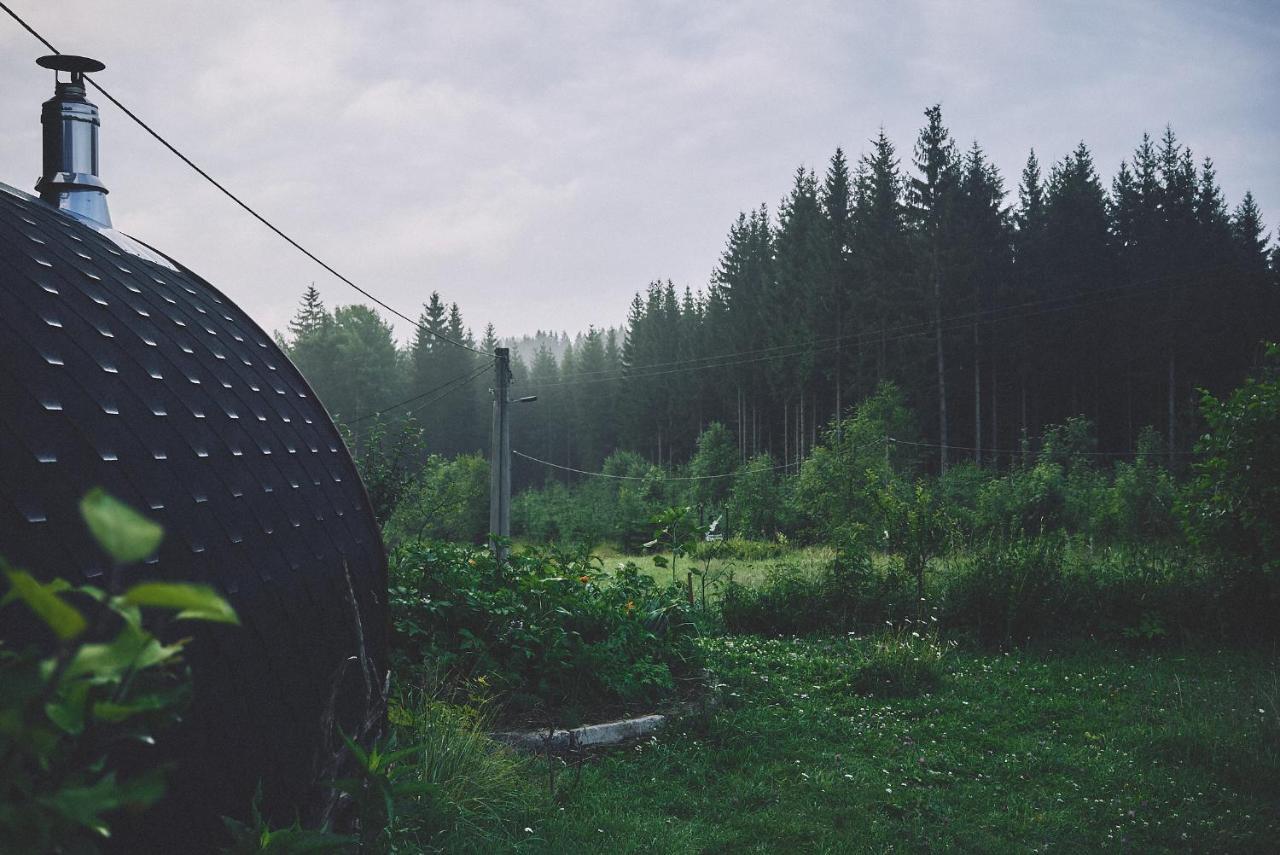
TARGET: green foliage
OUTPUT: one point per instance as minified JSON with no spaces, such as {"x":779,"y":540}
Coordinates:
{"x":1234,"y":503}
{"x":915,"y":526}
{"x":467,"y":786}
{"x":380,"y":782}
{"x":387,"y":461}
{"x":759,"y":500}
{"x":618,"y":507}
{"x":1024,"y":501}
{"x":1144,"y":496}
{"x":835,"y":484}
{"x":675,"y":532}
{"x":849,"y":595}
{"x":193,"y":602}
{"x":714,"y":461}
{"x":74,"y":713}
{"x":1070,"y":444}
{"x":548,"y":629}
{"x":959,"y":491}
{"x":446,"y":500}
{"x":123,"y":533}
{"x":65,"y":620}
{"x":1011,"y":591}
{"x":258,"y":837}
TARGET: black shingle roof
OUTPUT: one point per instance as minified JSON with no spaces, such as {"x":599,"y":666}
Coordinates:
{"x":122,"y":373}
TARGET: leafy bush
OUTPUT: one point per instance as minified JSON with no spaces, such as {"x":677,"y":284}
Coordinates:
{"x":959,"y":490}
{"x":548,"y":630}
{"x":1052,"y":587}
{"x":614,"y":508}
{"x":1006,"y":592}
{"x":1144,"y":497}
{"x":759,"y":500}
{"x":789,"y":602}
{"x":716,"y":457}
{"x":831,"y":489}
{"x":1234,"y":505}
{"x":387,"y":460}
{"x":446,"y":500}
{"x":1023,"y":501}
{"x":753,"y":550}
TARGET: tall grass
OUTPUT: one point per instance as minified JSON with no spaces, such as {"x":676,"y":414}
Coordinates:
{"x":473,"y":791}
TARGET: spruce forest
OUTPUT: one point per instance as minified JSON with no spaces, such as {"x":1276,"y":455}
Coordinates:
{"x":997,"y":311}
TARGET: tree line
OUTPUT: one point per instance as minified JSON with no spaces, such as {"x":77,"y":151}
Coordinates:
{"x":996,"y":314}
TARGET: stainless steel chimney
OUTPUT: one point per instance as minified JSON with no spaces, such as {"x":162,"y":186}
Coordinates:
{"x":70,"y":178}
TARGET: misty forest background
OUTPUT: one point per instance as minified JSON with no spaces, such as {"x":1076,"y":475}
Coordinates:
{"x":995,"y":313}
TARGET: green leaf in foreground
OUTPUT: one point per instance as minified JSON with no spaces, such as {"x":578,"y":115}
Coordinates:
{"x":123,"y":533}
{"x":194,"y":602}
{"x":62,"y":618}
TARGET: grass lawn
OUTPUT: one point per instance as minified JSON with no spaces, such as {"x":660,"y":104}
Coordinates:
{"x":1075,"y":751}
{"x":811,"y":559}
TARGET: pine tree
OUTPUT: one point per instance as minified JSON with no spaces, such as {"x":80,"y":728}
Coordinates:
{"x":800,"y":252}
{"x":932,"y":198}
{"x":880,"y":259}
{"x":983,"y":228}
{"x":1077,"y":260}
{"x":1030,"y":273}
{"x":311,"y":316}
{"x":835,"y":299}
{"x":1249,"y":235}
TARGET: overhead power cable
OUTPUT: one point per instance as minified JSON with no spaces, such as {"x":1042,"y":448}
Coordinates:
{"x":245,"y":205}
{"x":1078,"y":299}
{"x":1021,"y":451}
{"x":445,"y":388}
{"x":635,"y":477}
{"x":780,"y":467}
{"x":808,"y":348}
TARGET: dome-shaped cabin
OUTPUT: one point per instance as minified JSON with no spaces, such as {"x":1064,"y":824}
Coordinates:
{"x":121,"y":368}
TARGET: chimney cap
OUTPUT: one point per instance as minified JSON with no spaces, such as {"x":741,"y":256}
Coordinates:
{"x":71,"y":63}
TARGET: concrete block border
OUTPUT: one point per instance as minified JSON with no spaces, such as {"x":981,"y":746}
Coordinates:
{"x":586,"y":736}
{"x":611,"y":732}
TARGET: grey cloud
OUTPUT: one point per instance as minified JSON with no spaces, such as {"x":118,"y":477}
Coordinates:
{"x":540,"y":162}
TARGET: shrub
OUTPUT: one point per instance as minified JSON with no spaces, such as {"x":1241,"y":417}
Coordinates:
{"x":753,"y":550}
{"x":387,"y":461}
{"x":759,"y":499}
{"x":1006,"y":592}
{"x":447,"y":500}
{"x":1144,"y":495}
{"x":1023,"y":501}
{"x":788,"y":602}
{"x":1234,"y":502}
{"x":959,"y":490}
{"x":716,"y":457}
{"x":831,"y":488}
{"x":548,"y":630}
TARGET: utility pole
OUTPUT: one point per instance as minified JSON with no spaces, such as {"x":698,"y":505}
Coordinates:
{"x":500,"y":456}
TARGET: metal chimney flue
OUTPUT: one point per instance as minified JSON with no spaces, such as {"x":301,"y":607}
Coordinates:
{"x":70,"y":178}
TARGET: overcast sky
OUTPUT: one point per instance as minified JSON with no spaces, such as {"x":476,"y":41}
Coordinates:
{"x":540,"y":162}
